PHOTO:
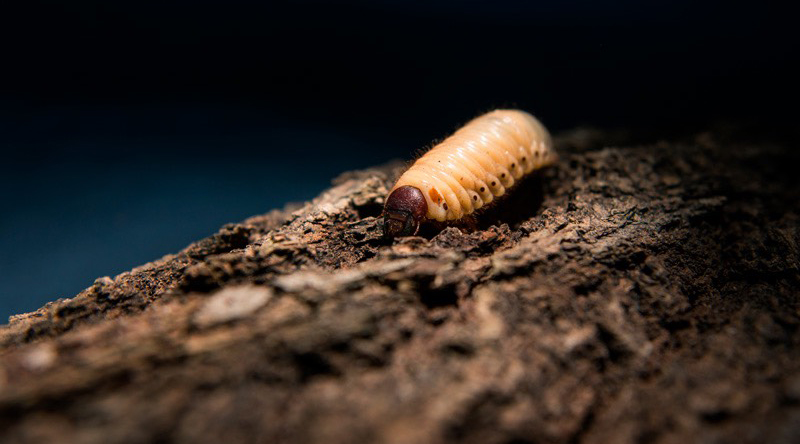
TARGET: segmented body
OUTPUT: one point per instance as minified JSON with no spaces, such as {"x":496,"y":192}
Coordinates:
{"x":478,"y":163}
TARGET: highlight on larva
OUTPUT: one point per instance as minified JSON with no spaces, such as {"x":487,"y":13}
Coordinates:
{"x":468,"y":170}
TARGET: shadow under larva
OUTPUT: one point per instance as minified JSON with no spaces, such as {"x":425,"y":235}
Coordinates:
{"x":516,"y":207}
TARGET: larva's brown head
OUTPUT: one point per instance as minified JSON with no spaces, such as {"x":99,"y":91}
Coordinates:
{"x":405,"y":209}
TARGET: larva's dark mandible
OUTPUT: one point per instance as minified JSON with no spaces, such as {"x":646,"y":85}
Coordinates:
{"x":468,"y":170}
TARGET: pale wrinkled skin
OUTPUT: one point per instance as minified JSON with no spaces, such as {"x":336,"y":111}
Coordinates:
{"x":479,"y":162}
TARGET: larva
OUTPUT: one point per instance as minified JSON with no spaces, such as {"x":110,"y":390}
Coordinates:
{"x":477,"y":164}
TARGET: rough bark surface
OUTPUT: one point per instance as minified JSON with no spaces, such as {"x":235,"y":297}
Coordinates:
{"x":650,"y":294}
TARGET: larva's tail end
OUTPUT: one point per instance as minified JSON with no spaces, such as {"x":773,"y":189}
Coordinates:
{"x":551,"y":157}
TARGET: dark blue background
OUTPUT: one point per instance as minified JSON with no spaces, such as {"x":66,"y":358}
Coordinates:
{"x":131,"y":129}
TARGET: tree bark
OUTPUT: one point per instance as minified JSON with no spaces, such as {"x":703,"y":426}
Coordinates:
{"x":633,"y":293}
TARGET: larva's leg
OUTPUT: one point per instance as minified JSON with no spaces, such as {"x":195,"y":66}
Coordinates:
{"x":467,"y":224}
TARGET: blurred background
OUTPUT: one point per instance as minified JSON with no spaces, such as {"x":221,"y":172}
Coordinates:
{"x":129,"y":129}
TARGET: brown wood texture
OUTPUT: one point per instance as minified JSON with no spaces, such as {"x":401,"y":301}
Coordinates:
{"x":637,"y":292}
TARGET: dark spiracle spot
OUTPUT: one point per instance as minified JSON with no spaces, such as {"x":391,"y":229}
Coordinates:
{"x":444,"y":206}
{"x":494,"y":183}
{"x":483,"y":189}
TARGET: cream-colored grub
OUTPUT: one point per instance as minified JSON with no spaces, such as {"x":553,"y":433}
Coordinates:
{"x":478,"y":163}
